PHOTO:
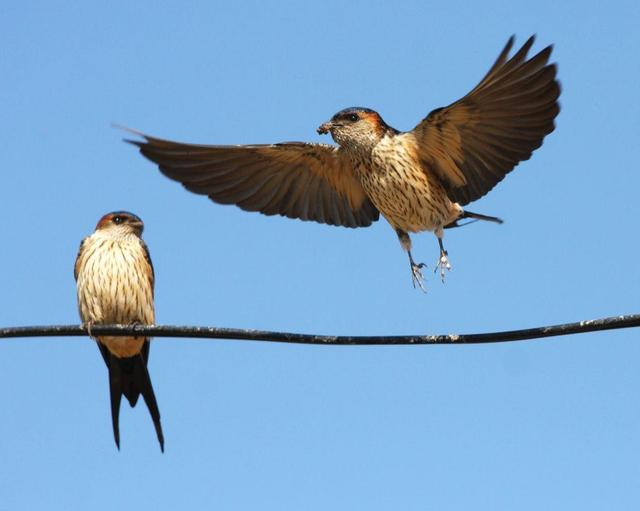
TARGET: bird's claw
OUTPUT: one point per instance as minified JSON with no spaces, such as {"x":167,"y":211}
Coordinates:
{"x":442,"y":265}
{"x":88,"y":326}
{"x":417,"y":277}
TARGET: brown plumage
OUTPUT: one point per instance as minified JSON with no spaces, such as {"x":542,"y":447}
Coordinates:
{"x":419,"y":180}
{"x":115,"y":280}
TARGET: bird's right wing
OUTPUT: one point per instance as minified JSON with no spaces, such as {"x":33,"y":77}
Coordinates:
{"x":294,"y":179}
{"x":473,"y":143}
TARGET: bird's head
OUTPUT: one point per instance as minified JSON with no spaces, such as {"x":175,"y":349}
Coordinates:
{"x":355,"y":127}
{"x":120,"y":223}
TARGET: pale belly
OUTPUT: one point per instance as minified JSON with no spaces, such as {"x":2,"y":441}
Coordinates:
{"x":409,"y":200}
{"x":110,"y":290}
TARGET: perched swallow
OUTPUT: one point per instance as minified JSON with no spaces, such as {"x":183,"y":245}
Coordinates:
{"x":419,"y":180}
{"x":115,"y":279}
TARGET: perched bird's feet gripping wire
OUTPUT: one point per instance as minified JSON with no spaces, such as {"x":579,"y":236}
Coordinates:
{"x":88,"y":326}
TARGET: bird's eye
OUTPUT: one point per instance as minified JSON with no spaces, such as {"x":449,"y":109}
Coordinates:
{"x":118,"y":219}
{"x":353,"y":117}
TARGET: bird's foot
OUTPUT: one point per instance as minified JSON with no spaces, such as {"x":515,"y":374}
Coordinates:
{"x":442,"y":265}
{"x":416,"y":275}
{"x":88,"y":326}
{"x":135,"y":324}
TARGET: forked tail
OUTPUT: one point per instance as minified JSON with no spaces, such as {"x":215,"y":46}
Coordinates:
{"x":129,"y":377}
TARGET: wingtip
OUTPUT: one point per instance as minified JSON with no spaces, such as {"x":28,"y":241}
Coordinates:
{"x":507,"y":47}
{"x":137,"y":143}
{"x":527,"y":45}
{"x":549,"y":50}
{"x":132,"y":132}
{"x":122,"y":127}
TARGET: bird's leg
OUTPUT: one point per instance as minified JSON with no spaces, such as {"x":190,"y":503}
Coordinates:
{"x":443,"y":263}
{"x":416,"y":268}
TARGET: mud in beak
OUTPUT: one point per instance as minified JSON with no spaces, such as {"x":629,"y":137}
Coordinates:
{"x":325,"y":128}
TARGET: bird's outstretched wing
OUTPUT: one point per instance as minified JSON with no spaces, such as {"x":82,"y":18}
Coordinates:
{"x":473,"y":143}
{"x":293,"y":179}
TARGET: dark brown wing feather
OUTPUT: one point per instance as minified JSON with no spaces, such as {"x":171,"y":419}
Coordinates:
{"x":473,"y":143}
{"x":152,"y":273}
{"x":294,"y":179}
{"x":76,"y":265}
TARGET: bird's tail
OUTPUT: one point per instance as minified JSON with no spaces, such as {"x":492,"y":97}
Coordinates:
{"x":129,"y":377}
{"x":474,"y":218}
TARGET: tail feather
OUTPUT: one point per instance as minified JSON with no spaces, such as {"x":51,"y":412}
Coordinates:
{"x":478,"y":216}
{"x":150,"y":400}
{"x":474,"y":217}
{"x":115,"y":395}
{"x":129,"y":377}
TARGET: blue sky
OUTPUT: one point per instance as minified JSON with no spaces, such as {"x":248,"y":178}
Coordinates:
{"x":550,"y":424}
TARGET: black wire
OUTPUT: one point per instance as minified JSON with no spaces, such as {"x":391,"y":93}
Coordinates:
{"x":593,"y":325}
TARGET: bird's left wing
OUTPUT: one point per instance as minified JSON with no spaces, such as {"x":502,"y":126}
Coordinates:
{"x":152,"y":280}
{"x":294,"y":179}
{"x":76,"y":266}
{"x":151,"y":272}
{"x":473,"y":143}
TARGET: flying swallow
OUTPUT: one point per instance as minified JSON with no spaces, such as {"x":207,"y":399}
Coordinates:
{"x":115,"y":280}
{"x":419,"y":180}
